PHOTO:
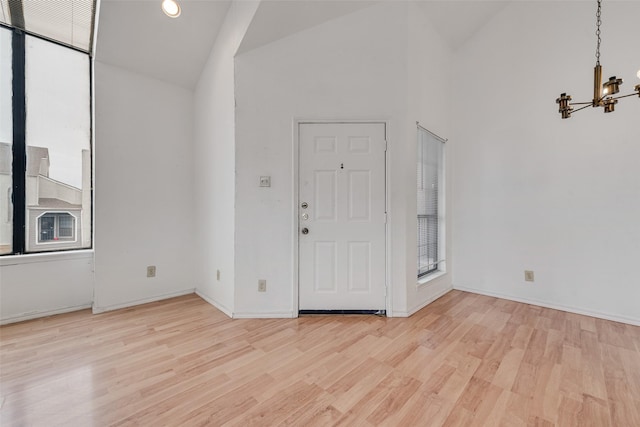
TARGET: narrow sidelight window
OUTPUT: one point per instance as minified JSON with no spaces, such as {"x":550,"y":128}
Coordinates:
{"x":430,"y":203}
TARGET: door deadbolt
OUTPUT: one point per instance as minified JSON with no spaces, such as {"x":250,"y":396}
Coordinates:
{"x":305,"y":230}
{"x":304,"y":205}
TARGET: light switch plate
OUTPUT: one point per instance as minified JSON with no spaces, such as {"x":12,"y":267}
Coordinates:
{"x":265,"y":181}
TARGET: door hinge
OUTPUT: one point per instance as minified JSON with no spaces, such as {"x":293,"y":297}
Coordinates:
{"x":385,"y":217}
{"x":386,"y":145}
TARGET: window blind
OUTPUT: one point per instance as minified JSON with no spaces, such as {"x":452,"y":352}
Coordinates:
{"x":69,"y":22}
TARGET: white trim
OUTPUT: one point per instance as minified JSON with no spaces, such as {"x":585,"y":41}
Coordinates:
{"x":388,"y":219}
{"x":297,"y":121}
{"x":214,"y":303}
{"x":266,"y":315}
{"x":416,"y":309}
{"x":92,"y":141}
{"x":38,"y":314}
{"x":443,"y":140}
{"x":9,"y":260}
{"x":97,"y":310}
{"x":295,"y":294}
{"x":428,"y":278}
{"x":546,"y":304}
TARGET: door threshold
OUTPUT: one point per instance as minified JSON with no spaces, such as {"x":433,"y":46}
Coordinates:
{"x":356,"y":312}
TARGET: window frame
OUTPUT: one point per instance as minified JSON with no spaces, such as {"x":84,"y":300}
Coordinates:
{"x":439,"y":266}
{"x":19,"y":151}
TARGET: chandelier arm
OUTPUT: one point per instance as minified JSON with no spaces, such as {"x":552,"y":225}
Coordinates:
{"x":600,"y":100}
{"x":580,"y":103}
{"x":626,"y":96}
{"x":581,"y":108}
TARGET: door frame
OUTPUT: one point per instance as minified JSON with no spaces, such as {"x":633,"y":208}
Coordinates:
{"x":295,"y":303}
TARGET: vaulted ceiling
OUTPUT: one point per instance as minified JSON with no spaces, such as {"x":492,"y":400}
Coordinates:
{"x":136,"y":35}
{"x":457,"y":21}
{"x":276,"y":19}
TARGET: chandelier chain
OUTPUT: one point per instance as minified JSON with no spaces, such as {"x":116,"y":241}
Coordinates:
{"x":598,"y":23}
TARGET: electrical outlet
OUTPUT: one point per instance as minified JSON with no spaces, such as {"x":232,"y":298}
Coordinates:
{"x":528,"y":276}
{"x":262,"y":285}
{"x":218,"y":275}
{"x":151,"y":271}
{"x":265,"y":181}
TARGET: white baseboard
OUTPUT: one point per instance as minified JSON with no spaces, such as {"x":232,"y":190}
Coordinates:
{"x":216,"y":304}
{"x":97,"y":310}
{"x":38,"y":314}
{"x":547,"y":304}
{"x":419,"y":307}
{"x":267,"y":315}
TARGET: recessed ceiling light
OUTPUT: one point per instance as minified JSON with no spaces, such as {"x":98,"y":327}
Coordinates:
{"x":171,"y":8}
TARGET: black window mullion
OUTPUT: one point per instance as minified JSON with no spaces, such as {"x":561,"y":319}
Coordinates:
{"x":19,"y":142}
{"x":16,"y":11}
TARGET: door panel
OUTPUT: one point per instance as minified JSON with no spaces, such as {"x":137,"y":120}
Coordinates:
{"x":359,"y":195}
{"x":326,"y":196}
{"x":325,"y":278}
{"x":342,"y":181}
{"x":359,"y":266}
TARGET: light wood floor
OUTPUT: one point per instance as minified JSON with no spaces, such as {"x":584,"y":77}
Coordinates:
{"x":464,"y":360}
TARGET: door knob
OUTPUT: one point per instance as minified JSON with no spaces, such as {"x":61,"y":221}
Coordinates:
{"x":305,"y":230}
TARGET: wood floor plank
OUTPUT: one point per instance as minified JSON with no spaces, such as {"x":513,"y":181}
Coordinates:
{"x":464,"y":360}
{"x":508,"y":368}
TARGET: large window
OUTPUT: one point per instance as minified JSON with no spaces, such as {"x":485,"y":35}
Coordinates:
{"x":45,"y":145}
{"x":430,"y":203}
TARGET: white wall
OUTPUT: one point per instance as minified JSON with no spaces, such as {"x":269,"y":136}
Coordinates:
{"x":429,"y":85}
{"x":215,"y":162}
{"x":353,"y":67}
{"x":532,"y":191}
{"x":143,"y":188}
{"x":43,"y":284}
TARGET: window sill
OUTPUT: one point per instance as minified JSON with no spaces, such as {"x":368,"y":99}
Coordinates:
{"x":423,"y":281}
{"x":45,"y":257}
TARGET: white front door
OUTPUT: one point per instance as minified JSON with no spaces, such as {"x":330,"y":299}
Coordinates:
{"x":341,"y":216}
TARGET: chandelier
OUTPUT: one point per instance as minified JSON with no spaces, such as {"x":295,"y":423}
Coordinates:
{"x":603,"y":94}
